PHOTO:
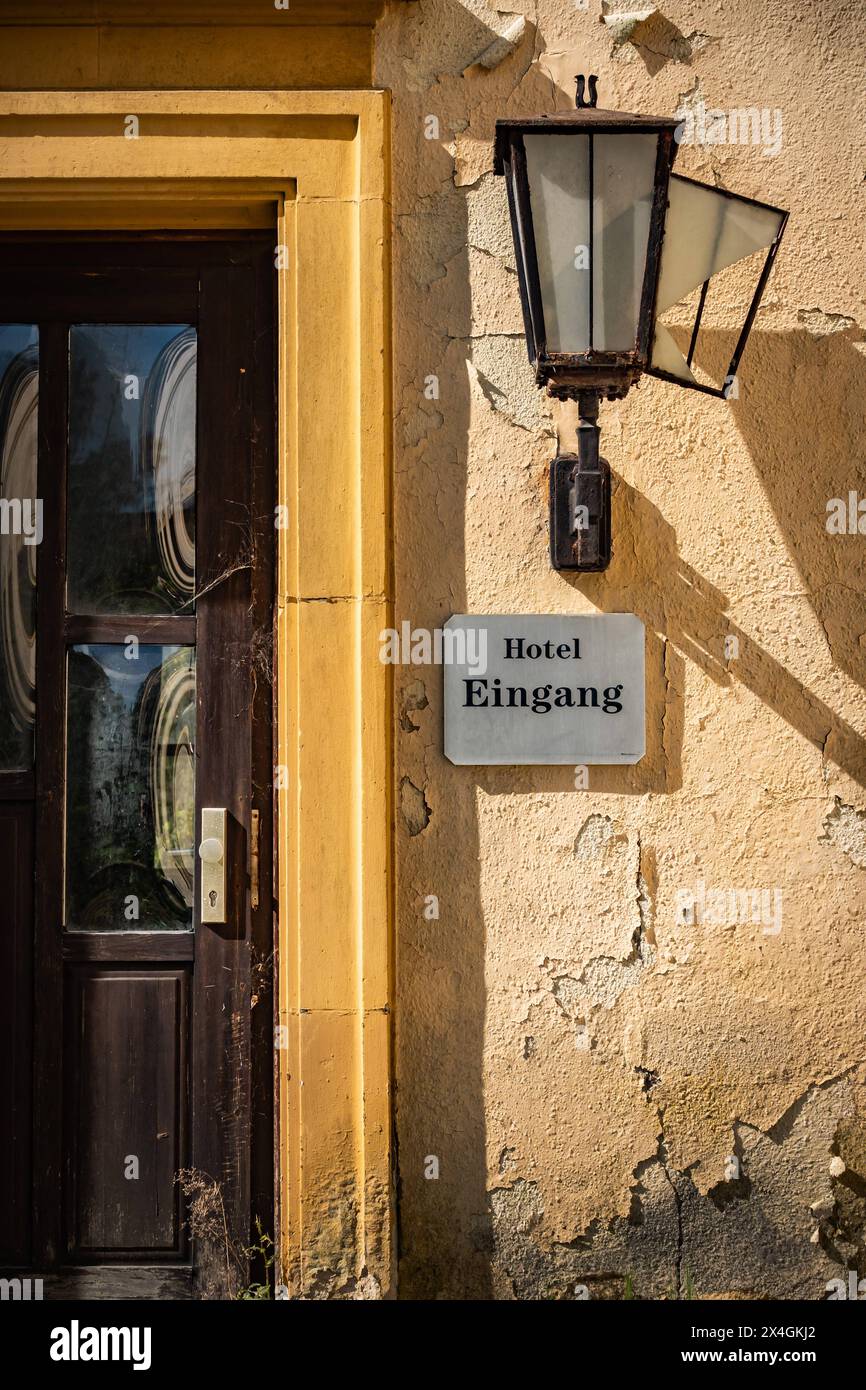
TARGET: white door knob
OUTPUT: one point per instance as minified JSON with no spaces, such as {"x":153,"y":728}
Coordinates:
{"x":211,"y":851}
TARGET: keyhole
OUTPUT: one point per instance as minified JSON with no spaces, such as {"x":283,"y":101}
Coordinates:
{"x":212,"y":897}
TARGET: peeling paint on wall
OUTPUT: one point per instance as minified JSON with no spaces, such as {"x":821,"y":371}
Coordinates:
{"x":413,"y":805}
{"x":820,"y":323}
{"x":845,"y":827}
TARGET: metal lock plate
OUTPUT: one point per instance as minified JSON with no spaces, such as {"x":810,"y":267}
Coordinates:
{"x":212,"y":854}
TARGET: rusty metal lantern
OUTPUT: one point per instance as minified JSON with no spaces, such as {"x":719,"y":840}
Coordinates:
{"x":606,"y":239}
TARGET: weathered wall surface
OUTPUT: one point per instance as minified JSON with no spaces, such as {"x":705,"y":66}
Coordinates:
{"x":582,"y":1063}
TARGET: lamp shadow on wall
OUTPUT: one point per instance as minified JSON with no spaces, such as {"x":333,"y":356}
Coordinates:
{"x":802,"y":413}
{"x":799,"y":411}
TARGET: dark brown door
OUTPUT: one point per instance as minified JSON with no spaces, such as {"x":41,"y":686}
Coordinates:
{"x":136,"y":569}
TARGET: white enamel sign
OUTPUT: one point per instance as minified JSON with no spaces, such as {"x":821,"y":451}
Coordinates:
{"x":544,"y":688}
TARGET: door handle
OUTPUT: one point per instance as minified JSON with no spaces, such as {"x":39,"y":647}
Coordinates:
{"x":212,"y":853}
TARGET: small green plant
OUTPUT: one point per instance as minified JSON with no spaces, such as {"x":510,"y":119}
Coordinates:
{"x":628,"y":1292}
{"x":262,"y":1251}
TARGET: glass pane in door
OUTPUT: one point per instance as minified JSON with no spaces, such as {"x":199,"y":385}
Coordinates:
{"x":131,"y":490}
{"x":20,"y":534}
{"x":130,"y":804}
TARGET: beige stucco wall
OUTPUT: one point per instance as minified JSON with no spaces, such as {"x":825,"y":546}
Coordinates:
{"x":580,"y":1063}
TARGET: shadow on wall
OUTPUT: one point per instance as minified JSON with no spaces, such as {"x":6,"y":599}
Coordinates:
{"x":443,"y":1216}
{"x":800,"y":414}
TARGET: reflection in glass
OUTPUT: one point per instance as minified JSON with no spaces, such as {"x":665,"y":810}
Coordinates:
{"x":131,"y":525}
{"x":130,"y":814}
{"x":19,"y":536}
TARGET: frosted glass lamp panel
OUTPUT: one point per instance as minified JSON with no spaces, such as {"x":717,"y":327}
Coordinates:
{"x":557,"y":168}
{"x":623,"y":172}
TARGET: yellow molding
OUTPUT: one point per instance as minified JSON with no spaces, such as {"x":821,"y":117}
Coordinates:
{"x":147,"y":205}
{"x":367,"y":107}
{"x":184,"y":12}
{"x":318,"y":162}
{"x":138,"y":55}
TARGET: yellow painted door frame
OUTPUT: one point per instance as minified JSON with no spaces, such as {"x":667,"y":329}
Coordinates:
{"x":316,"y":163}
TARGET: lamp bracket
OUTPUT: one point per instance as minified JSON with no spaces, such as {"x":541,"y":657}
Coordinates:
{"x":580,"y":497}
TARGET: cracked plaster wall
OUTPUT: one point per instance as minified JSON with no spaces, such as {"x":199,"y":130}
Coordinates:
{"x":618,"y":1100}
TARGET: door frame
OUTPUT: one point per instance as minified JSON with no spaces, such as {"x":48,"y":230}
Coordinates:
{"x":317,"y":162}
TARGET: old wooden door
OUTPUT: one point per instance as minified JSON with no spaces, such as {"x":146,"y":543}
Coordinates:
{"x":136,"y":446}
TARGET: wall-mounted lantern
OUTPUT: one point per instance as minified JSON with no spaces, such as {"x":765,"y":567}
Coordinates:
{"x":607,"y":240}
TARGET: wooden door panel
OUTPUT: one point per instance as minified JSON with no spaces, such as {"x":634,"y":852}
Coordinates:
{"x":126,"y":1059}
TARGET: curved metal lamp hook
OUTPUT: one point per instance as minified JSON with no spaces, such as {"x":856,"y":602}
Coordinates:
{"x":593,"y":93}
